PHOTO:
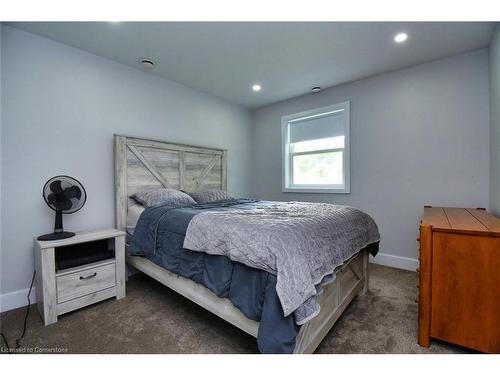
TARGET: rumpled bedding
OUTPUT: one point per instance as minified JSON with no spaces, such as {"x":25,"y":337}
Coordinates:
{"x":302,"y":243}
{"x":160,"y":236}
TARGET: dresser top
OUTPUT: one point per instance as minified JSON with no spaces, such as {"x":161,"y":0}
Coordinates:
{"x":467,"y":220}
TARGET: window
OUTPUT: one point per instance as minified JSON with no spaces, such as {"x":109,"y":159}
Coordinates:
{"x":316,"y":150}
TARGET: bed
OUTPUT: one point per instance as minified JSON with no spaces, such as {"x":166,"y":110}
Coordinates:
{"x":142,"y":163}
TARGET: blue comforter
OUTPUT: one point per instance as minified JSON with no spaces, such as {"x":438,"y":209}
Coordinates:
{"x":159,"y":236}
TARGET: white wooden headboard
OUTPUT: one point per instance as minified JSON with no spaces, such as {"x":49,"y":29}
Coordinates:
{"x":143,"y":163}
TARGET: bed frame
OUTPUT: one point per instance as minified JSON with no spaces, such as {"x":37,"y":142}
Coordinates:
{"x":142,"y":163}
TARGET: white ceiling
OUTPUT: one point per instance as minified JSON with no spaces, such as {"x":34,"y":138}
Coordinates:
{"x":287,"y":59}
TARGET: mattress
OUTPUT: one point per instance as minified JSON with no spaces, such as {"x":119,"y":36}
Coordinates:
{"x":133,"y":214}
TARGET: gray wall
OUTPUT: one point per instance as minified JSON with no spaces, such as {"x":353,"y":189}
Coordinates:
{"x":418,"y":136}
{"x":60,"y":109}
{"x":495,"y":122}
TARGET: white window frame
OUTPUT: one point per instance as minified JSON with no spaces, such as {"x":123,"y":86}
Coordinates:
{"x":287,"y":155}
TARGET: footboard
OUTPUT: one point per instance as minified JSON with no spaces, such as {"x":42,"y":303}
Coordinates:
{"x":350,"y":281}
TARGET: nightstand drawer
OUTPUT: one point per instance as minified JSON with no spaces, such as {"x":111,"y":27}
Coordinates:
{"x":80,"y":283}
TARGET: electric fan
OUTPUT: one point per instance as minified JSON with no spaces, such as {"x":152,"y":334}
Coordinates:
{"x":65,"y":195}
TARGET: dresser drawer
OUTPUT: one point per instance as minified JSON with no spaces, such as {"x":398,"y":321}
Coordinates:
{"x":80,"y":283}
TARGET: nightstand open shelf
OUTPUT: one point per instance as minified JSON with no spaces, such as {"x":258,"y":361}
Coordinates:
{"x":63,"y":290}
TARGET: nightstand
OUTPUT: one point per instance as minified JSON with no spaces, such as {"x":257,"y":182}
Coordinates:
{"x":63,"y":290}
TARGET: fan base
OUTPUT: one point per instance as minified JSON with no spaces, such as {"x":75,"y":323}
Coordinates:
{"x":55,"y":236}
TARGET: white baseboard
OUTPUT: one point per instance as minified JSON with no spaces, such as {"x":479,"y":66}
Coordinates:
{"x":13,"y":300}
{"x":395,"y":261}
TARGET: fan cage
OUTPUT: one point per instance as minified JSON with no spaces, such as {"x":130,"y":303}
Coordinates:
{"x":66,"y":182}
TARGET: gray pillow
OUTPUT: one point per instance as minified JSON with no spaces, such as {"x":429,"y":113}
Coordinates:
{"x":210,"y":196}
{"x":163,"y":197}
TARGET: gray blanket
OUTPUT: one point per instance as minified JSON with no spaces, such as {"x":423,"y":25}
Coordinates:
{"x":301,"y":243}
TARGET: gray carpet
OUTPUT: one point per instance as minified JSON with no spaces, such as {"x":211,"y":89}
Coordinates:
{"x":154,"y":319}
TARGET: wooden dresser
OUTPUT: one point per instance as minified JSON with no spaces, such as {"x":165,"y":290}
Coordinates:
{"x":459,"y":298}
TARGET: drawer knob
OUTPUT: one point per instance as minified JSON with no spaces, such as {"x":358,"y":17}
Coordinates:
{"x":88,"y":277}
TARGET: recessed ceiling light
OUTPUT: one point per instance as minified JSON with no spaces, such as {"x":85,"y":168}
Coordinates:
{"x":401,"y":37}
{"x":147,"y":63}
{"x":256,"y":87}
